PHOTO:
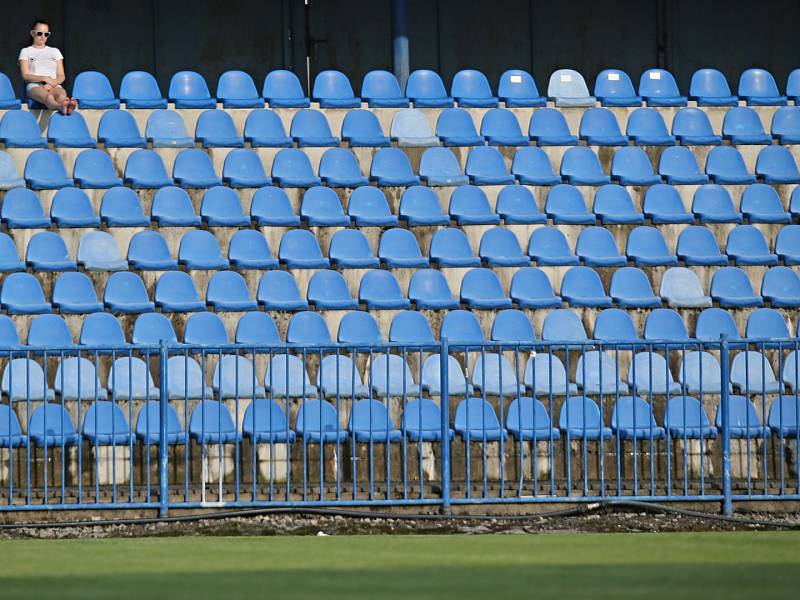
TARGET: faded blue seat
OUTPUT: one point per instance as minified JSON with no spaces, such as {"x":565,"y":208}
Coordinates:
{"x":517,"y":206}
{"x":349,"y":249}
{"x":781,"y":287}
{"x":9,"y":259}
{"x":581,"y":287}
{"x":270,"y":206}
{"x":500,"y":248}
{"x":188,"y":89}
{"x":282,"y":89}
{"x":783,"y":416}
{"x":767,"y":323}
{"x":775,"y":164}
{"x":712,"y":323}
{"x":531,"y":288}
{"x":461,"y":327}
{"x":236,"y":89}
{"x":646,"y":127}
{"x":227,"y":292}
{"x":785,"y":125}
{"x":139,"y":89}
{"x":310,"y":129}
{"x":47,"y":330}
{"x":104,"y":424}
{"x":493,"y":375}
{"x":567,"y":88}
{"x":102,"y":329}
{"x":243,"y":169}
{"x":631,"y":166}
{"x":299,"y":249}
{"x":257,"y":329}
{"x":450,"y":248}
{"x":787,"y":244}
{"x":339,"y":168}
{"x":516,"y":88}
{"x":69,"y":131}
{"x":19,"y":129}
{"x":545,"y":375}
{"x":148,"y":251}
{"x":633,"y":419}
{"x":45,"y":171}
{"x":176,"y":293}
{"x":199,"y":250}
{"x":22,"y":294}
{"x":410,"y":327}
{"x":24,"y":379}
{"x":677,"y":165}
{"x":93,"y":90}
{"x":650,"y":374}
{"x":359,"y":328}
{"x":71,"y":207}
{"x":630,"y":288}
{"x":457,"y":384}
{"x":681,"y":289}
{"x":548,"y":127}
{"x":658,"y":88}
{"x":531,"y":166}
{"x":685,"y":417}
{"x":419,"y":206}
{"x":73,"y":293}
{"x":211,"y":423}
{"x":308,"y":328}
{"x":665,"y":324}
{"x":471,"y":89}
{"x":317,"y":422}
{"x":410,"y":128}
{"x":596,"y":248}
{"x":725,"y":165}
{"x":277,"y":290}
{"x":327,"y":290}
{"x":563,"y":325}
{"x":9,"y":175}
{"x":565,"y":206}
{"x":221,"y":208}
{"x":172,"y":207}
{"x":547,"y":246}
{"x":758,"y":88}
{"x":215,"y":129}
{"x":361,"y":129}
{"x":712,"y":204}
{"x":743,"y":421}
{"x":760,"y":203}
{"x":234,"y":377}
{"x":49,"y":425}
{"x":751,"y":373}
{"x":291,"y":168}
{"x":470,"y":206}
{"x":129,"y":379}
{"x":580,"y":166}
{"x":379,"y":290}
{"x":426,"y":90}
{"x":456,"y":128}
{"x":527,"y":420}
{"x":692,"y":128}
{"x":380,"y":89}
{"x":500,"y":127}
{"x":165,"y":129}
{"x":747,"y":246}
{"x":94,"y":169}
{"x":512,"y":326}
{"x":599,"y":127}
{"x":321,"y":207}
{"x":8,"y":97}
{"x":697,"y":246}
{"x":614,"y":325}
{"x":332,"y":89}
{"x":370,"y":422}
{"x":646,"y":247}
{"x":264,"y":129}
{"x":700,"y":373}
{"x":21,"y":209}
{"x":47,"y":252}
{"x":398,"y":248}
{"x":125,"y":294}
{"x":480,"y":288}
{"x":390,"y":375}
{"x":742,"y":126}
{"x":205,"y":329}
{"x":368,"y":207}
{"x":439,"y":166}
{"x":791,"y":373}
{"x":476,"y":421}
{"x":422,"y":421}
{"x":710,"y":88}
{"x":613,"y":87}
{"x":145,"y":169}
{"x":390,"y":167}
{"x":193,"y":169}
{"x":580,"y":418}
{"x":613,"y":206}
{"x":337,"y":376}
{"x":663,"y":204}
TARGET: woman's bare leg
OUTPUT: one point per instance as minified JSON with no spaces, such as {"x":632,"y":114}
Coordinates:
{"x":42,"y":96}
{"x":63,"y":100}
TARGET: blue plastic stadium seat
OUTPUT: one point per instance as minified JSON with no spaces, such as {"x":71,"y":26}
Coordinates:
{"x":104,"y":424}
{"x":697,"y":246}
{"x":145,"y":169}
{"x":775,"y":164}
{"x":317,"y":422}
{"x":613,"y":206}
{"x":8,"y":332}
{"x":93,"y":90}
{"x":646,"y":127}
{"x":658,"y":88}
{"x":125,"y":294}
{"x":236,"y":89}
{"x":700,"y":372}
{"x":73,"y":293}
{"x":390,"y":167}
{"x":630,"y":288}
{"x":758,"y":88}
{"x":380,"y":290}
{"x":545,"y":375}
{"x":333,"y":90}
{"x":663,"y":204}
{"x":793,"y":86}
{"x":94,"y":169}
{"x":310,"y":128}
{"x":299,"y":249}
{"x":480,"y":288}
{"x":457,"y":383}
{"x":715,"y":322}
{"x":380,"y":89}
{"x":257,"y":329}
{"x":692,"y":128}
{"x":527,"y":420}
{"x":282,"y":89}
{"x":234,"y":377}
{"x":531,"y":166}
{"x":359,"y":328}
{"x":580,"y":166}
{"x":513,"y":326}
{"x":277,"y":290}
{"x":188,"y":89}
{"x":422,"y":421}
{"x":410,"y":327}
{"x":470,"y":206}
{"x":784,"y":416}
{"x":339,"y":168}
{"x":724,"y":165}
{"x":49,"y":330}
{"x":710,"y":88}
{"x":665,"y":324}
{"x":243,"y":169}
{"x":580,"y":418}
{"x":205,"y":329}
{"x":646,"y":247}
{"x":530,"y":288}
{"x":547,"y":246}
{"x":581,"y":287}
{"x":227,"y":292}
{"x":767,"y":323}
{"x":747,"y":246}
{"x":462,"y":327}
{"x":9,"y":175}
{"x":712,"y":204}
{"x":291,"y":168}
{"x":148,"y":425}
{"x":678,"y":165}
{"x":172,"y":207}
{"x":500,"y":127}
{"x":419,"y":206}
{"x":650,"y":374}
{"x":308,"y":328}
{"x":743,"y":421}
{"x":631,"y":166}
{"x":517,"y":206}
{"x":563,"y":325}
{"x":390,"y":375}
{"x":410,"y":128}
{"x":193,"y":169}
{"x":47,"y":252}
{"x":361,"y":129}
{"x":102,"y":329}
{"x":751,"y":373}
{"x":199,"y":250}
{"x":516,"y":88}
{"x":568,"y":88}
{"x":121,"y":208}
{"x":21,"y":209}
{"x":742,"y":126}
{"x":599,"y":127}
{"x":215,"y":129}
{"x":456,"y":128}
{"x":471,"y":89}
{"x":685,"y":417}
{"x":338,"y":377}
{"x":787,"y":244}
{"x":321,"y":207}
{"x":370,"y":423}
{"x":271,"y":207}
{"x":148,"y":251}
{"x":565,"y":206}
{"x":597,"y":373}
{"x":165,"y":129}
{"x":49,"y":425}
{"x":500,"y":248}
{"x":548,"y":127}
{"x":613,"y":87}
{"x":8,"y":97}
{"x":130,"y":379}
{"x":45,"y":171}
{"x":493,"y":375}
{"x":264,"y":129}
{"x":22,"y":294}
{"x":23,"y":378}
{"x":450,"y":248}
{"x":368,"y":207}
{"x":349,"y":249}
{"x":439,"y":166}
{"x":785,"y":125}
{"x":9,"y":259}
{"x":287,"y":377}
{"x":596,"y":248}
{"x":211,"y":423}
{"x":139,"y":89}
{"x":98,"y":251}
{"x":614,"y":325}
{"x":476,"y":421}
{"x":633,"y":419}
{"x":760,"y":203}
{"x":69,"y":131}
{"x":426,"y":90}
{"x":19,"y":129}
{"x":327,"y":290}
{"x":781,"y":287}
{"x":221,"y":208}
{"x":681,"y":289}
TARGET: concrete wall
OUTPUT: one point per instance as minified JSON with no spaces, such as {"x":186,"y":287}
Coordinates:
{"x":115,"y":36}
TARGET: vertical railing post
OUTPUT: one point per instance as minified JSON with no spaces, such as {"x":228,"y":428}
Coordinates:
{"x":444,"y":398}
{"x":163,"y":398}
{"x":727,"y":504}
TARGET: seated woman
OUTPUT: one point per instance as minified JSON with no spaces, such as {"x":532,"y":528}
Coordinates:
{"x":42,"y":69}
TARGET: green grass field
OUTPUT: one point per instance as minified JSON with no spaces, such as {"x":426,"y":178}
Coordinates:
{"x":489,"y":567}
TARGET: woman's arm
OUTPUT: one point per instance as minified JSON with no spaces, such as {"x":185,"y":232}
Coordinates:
{"x":60,"y":77}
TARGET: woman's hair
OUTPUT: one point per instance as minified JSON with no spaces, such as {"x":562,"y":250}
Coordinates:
{"x":33,"y":26}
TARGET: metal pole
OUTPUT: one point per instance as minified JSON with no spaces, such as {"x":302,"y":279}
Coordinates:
{"x":727,"y":504}
{"x":444,"y":398}
{"x":163,"y":398}
{"x":400,"y":41}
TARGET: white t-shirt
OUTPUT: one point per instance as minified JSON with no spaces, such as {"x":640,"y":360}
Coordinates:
{"x":41,"y":61}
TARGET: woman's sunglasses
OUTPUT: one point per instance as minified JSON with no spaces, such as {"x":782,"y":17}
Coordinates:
{"x":42,"y":33}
